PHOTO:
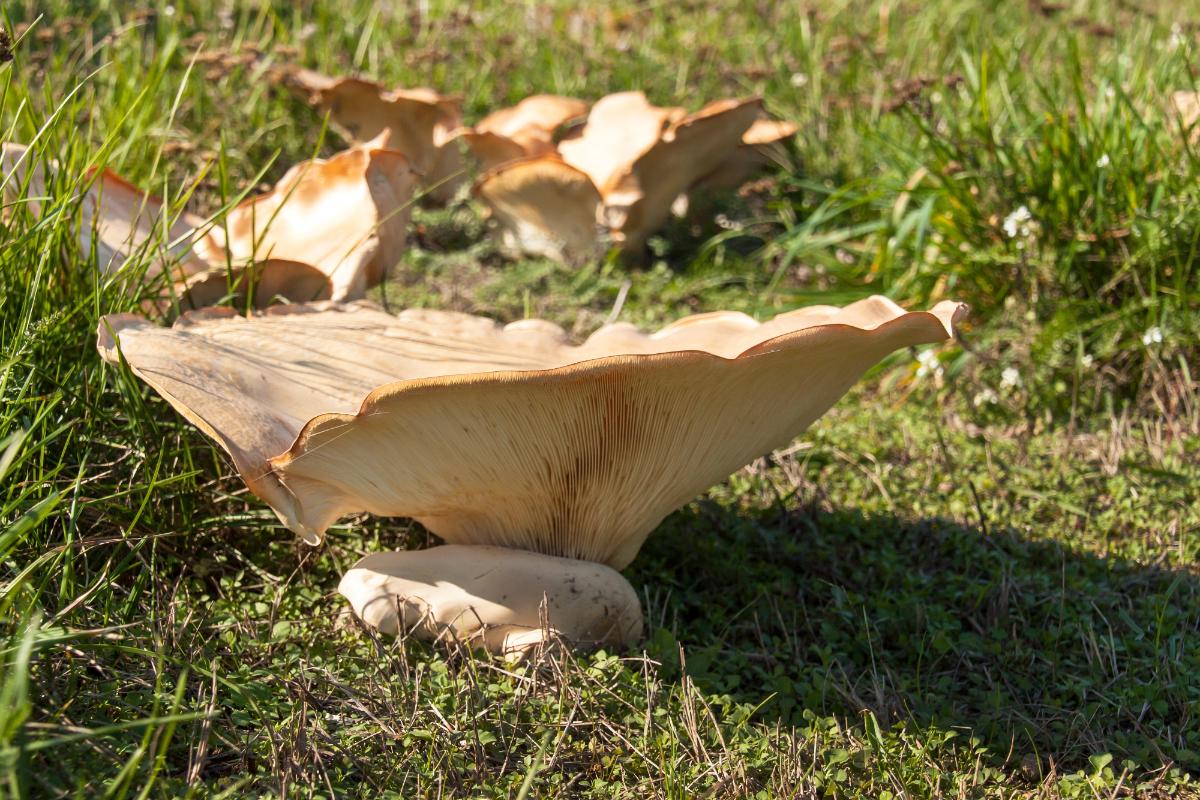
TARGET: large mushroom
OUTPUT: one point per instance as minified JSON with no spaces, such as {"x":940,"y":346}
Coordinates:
{"x":422,"y":123}
{"x":328,"y":229}
{"x":639,"y":158}
{"x":506,"y":437}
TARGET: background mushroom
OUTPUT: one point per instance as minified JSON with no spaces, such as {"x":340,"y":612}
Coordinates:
{"x":522,"y":131}
{"x":545,"y":208}
{"x":328,"y":229}
{"x":421,"y":122}
{"x":639,"y":159}
{"x":346,"y":216}
{"x":762,"y":147}
{"x":504,"y":436}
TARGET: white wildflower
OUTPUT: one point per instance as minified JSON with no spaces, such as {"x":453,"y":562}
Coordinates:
{"x":1010,"y":378}
{"x":1018,"y":223}
{"x":169,"y":11}
{"x":1087,"y":360}
{"x":986,"y":396}
{"x":799,"y":79}
{"x":1102,"y":162}
{"x":1153,"y":335}
{"x":928,"y":364}
{"x":1177,"y":38}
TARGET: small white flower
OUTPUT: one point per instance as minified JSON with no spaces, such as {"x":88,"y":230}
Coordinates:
{"x":1152,"y":335}
{"x":1102,"y":162}
{"x":1087,"y":360}
{"x":1010,"y":378}
{"x":986,"y":396}
{"x":929,"y":364}
{"x":799,"y":79}
{"x":169,"y":11}
{"x":1017,"y":223}
{"x":1177,"y":38}
{"x":1109,"y":93}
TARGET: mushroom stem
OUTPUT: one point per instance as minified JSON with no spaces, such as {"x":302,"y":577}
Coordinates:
{"x":505,"y":600}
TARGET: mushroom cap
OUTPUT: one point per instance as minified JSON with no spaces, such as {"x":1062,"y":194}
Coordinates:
{"x":522,"y":131}
{"x":421,"y":122}
{"x":762,"y":146}
{"x":639,"y":202}
{"x":117,"y":218}
{"x":327,"y":229}
{"x":347,"y":216}
{"x":510,"y":435}
{"x":620,"y":129}
{"x":543,"y":207}
{"x":493,"y":596}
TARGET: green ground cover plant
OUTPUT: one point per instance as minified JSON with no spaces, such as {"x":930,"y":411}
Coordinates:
{"x":976,"y":577}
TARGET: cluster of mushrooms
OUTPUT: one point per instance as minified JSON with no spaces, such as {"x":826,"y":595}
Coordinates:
{"x":543,"y":464}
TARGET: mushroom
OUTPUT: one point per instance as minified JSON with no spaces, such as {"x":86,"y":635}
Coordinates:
{"x":503,"y":436}
{"x":639,"y":158}
{"x":422,"y":123}
{"x":347,"y":216}
{"x":762,"y":146}
{"x":495,"y":597}
{"x":545,"y":208}
{"x":523,"y":131}
{"x":328,"y":229}
{"x":118,"y":219}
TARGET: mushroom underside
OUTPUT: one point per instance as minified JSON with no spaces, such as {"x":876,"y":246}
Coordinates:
{"x":507,"y":436}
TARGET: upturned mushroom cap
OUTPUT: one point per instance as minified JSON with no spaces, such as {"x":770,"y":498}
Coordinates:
{"x":523,"y":131}
{"x":506,"y":436}
{"x":761,"y":146}
{"x":117,"y":218}
{"x":639,"y":158}
{"x":421,"y":122}
{"x":639,"y":202}
{"x":620,"y":129}
{"x":328,"y":229}
{"x":346,"y":216}
{"x":502,"y":599}
{"x":543,"y":207}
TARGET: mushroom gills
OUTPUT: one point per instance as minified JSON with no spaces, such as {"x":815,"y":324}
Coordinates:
{"x":506,"y":600}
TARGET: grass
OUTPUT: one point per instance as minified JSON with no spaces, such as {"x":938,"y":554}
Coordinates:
{"x":977,"y":577}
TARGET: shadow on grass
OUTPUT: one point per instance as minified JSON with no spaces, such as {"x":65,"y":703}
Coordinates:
{"x":1036,"y":649}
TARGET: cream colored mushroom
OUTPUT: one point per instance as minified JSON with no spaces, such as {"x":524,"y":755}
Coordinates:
{"x":347,"y":216}
{"x":504,"y":436}
{"x":328,"y":229}
{"x":117,"y":218}
{"x":544,"y":208}
{"x":493,"y":597}
{"x":524,"y":131}
{"x":761,"y":147}
{"x":421,"y":122}
{"x":639,"y":158}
